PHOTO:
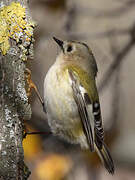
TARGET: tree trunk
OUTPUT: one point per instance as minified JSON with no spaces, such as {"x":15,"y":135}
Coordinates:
{"x":16,"y":42}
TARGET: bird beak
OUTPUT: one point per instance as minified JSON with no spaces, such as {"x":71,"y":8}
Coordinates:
{"x":59,"y":42}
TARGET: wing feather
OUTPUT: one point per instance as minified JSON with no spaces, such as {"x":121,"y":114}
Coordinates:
{"x":98,"y":128}
{"x":82,"y":109}
{"x":84,"y":104}
{"x":82,"y":100}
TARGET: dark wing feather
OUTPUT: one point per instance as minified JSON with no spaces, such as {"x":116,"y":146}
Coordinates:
{"x":98,"y":128}
{"x":82,"y":100}
{"x":82,"y":109}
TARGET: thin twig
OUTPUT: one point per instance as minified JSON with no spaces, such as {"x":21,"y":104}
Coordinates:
{"x":108,"y":13}
{"x":117,"y":62}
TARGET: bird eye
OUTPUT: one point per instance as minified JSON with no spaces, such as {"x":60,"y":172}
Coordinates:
{"x":69,"y":48}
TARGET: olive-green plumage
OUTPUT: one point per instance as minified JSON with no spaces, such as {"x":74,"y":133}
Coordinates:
{"x":72,"y":102}
{"x":85,"y":79}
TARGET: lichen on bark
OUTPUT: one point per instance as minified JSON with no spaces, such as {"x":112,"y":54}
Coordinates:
{"x":14,"y":25}
{"x":16,"y":44}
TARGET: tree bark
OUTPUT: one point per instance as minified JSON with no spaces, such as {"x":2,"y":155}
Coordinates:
{"x":16,"y":44}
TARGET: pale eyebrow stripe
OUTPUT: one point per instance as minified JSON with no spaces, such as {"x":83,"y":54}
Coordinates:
{"x":84,"y":44}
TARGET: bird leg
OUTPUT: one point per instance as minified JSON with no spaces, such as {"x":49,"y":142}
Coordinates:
{"x":26,"y":132}
{"x":31,"y":86}
{"x":34,"y":133}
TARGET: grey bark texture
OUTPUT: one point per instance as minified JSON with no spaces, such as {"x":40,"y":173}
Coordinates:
{"x":14,"y":106}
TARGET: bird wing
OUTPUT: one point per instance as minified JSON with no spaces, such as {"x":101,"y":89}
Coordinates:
{"x":82,"y":109}
{"x":87,"y":114}
{"x":98,"y":128}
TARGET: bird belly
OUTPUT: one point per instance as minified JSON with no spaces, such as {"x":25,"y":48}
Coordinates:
{"x":62,"y":112}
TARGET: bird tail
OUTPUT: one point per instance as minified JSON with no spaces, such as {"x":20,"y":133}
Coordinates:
{"x":106,"y":158}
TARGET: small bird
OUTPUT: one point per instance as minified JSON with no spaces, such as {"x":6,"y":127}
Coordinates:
{"x":72,"y":102}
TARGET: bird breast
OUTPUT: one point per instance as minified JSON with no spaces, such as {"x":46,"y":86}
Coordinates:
{"x":58,"y":96}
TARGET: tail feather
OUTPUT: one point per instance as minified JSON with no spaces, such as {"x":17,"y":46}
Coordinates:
{"x":106,"y":158}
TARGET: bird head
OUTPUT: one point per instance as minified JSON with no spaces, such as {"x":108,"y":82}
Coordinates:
{"x":76,"y":53}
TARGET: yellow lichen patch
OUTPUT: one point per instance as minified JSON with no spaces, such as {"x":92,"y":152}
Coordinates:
{"x":14,"y":25}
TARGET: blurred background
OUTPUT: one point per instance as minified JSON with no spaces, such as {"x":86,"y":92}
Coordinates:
{"x":108,"y":27}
